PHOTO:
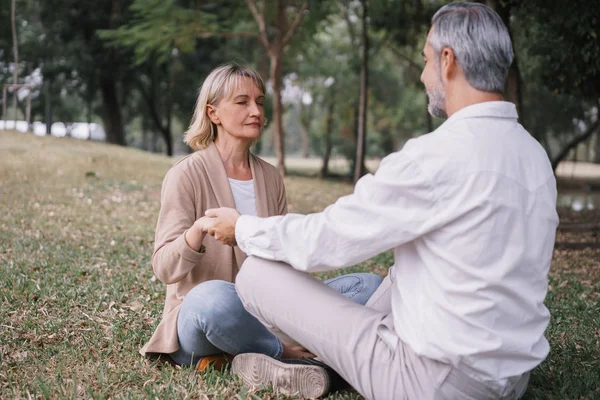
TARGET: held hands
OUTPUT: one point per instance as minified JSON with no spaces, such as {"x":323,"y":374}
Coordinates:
{"x":220,"y":223}
{"x":195,"y":235}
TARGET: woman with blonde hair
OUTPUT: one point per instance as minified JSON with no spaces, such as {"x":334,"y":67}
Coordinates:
{"x":203,"y":319}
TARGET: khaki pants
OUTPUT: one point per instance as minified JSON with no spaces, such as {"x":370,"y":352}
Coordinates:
{"x":357,"y":341}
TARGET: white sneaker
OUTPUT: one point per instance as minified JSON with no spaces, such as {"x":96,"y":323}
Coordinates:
{"x":296,"y":377}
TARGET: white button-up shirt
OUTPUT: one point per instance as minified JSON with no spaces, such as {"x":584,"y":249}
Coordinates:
{"x":470,"y":213}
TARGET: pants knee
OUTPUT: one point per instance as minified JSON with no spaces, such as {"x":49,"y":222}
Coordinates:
{"x":211,"y":300}
{"x":208,"y":290}
{"x":249,"y":274}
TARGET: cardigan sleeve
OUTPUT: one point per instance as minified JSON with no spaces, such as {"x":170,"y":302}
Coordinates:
{"x":282,"y":207}
{"x":173,"y":259}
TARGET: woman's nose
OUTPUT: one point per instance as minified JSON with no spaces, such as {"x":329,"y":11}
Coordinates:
{"x":254,"y":109}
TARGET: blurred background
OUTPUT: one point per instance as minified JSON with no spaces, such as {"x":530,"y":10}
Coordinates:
{"x":339,"y":73}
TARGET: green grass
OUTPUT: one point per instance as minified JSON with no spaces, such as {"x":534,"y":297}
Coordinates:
{"x":78,"y":297}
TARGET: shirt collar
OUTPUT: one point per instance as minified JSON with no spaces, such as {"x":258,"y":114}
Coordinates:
{"x":488,"y":109}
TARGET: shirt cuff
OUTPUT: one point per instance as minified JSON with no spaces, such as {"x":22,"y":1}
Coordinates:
{"x":185,"y":251}
{"x":243,"y":231}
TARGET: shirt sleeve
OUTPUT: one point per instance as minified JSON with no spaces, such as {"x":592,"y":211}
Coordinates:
{"x":388,"y":209}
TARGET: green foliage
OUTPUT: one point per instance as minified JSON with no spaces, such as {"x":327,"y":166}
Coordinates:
{"x":563,"y":46}
{"x":164,"y":49}
{"x":160,"y":26}
{"x":560,"y":67}
{"x":402,"y":20}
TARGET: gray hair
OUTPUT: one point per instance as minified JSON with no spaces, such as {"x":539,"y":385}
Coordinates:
{"x":480,"y":41}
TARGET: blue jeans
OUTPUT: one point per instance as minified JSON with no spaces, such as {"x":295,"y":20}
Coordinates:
{"x":212,"y":319}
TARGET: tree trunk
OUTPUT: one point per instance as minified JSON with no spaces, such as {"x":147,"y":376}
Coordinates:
{"x":153,"y":107}
{"x":145,"y":140}
{"x":328,"y":142}
{"x":275,"y":50}
{"x":112,"y":116}
{"x":305,"y":117}
{"x":305,"y":140}
{"x":512,"y":86}
{"x":90,"y":94}
{"x":165,"y":131}
{"x":263,"y":71}
{"x":512,"y":89}
{"x":597,"y":149}
{"x":168,"y":132}
{"x":16,"y":54}
{"x":276,"y":74}
{"x":48,"y":108}
{"x":113,"y":121}
{"x":168,"y":139}
{"x":155,"y":141}
{"x":359,"y":165}
{"x":89,"y":117}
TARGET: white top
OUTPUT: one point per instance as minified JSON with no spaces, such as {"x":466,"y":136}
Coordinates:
{"x":470,"y":213}
{"x":243,"y":195}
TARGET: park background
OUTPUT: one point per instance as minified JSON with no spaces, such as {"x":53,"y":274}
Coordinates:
{"x":77,"y":216}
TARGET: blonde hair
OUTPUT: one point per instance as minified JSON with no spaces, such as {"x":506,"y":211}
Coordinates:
{"x":219,"y":84}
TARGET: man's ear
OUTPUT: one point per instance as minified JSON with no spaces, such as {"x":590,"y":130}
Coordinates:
{"x":211,"y":111}
{"x":448,"y":65}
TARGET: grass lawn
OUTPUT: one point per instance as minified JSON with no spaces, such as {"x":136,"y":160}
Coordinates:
{"x":78,"y":296}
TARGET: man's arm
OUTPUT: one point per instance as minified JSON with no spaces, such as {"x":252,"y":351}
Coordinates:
{"x":392,"y":207}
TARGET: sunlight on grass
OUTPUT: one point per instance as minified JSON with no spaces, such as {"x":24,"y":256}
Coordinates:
{"x":79,"y":297}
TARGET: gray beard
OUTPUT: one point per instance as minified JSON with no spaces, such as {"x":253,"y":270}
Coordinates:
{"x":436,"y":105}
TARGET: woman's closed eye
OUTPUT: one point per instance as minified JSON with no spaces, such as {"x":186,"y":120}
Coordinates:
{"x":245,"y":102}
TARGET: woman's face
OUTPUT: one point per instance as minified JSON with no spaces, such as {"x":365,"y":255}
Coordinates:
{"x":242,"y":115}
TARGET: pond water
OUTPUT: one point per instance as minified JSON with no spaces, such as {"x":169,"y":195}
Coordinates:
{"x":579,"y":200}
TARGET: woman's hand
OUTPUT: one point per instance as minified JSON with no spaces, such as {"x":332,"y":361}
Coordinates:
{"x":195,"y":235}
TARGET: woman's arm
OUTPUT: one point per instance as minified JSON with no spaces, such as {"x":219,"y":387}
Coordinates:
{"x":174,"y":256}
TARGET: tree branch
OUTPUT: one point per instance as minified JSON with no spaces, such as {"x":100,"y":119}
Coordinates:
{"x":228,"y":34}
{"x":399,"y":54}
{"x":294,"y":25}
{"x":574,"y":142}
{"x":260,"y":18}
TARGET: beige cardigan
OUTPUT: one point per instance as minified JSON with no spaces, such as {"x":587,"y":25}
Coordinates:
{"x":196,"y":183}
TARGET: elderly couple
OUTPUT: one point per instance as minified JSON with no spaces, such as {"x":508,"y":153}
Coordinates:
{"x":469,"y":211}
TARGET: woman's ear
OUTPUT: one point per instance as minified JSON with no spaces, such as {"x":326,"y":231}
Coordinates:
{"x":211,"y":111}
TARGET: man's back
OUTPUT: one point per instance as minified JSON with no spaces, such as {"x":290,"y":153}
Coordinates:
{"x":470,"y":291}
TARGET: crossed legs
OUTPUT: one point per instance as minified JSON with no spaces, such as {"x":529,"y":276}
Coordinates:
{"x":356,"y":341}
{"x":212,"y":319}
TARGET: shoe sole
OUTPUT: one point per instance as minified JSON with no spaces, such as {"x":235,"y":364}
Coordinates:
{"x":259,"y":370}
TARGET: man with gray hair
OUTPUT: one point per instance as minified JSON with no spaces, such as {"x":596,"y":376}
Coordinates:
{"x":469,"y":211}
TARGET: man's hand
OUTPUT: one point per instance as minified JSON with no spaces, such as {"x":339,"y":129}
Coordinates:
{"x":223,"y":226}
